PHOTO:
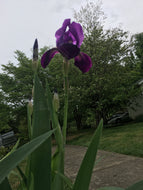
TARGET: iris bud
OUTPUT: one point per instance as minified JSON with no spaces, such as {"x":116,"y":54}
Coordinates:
{"x":35,"y":50}
{"x":56,"y":101}
{"x":30,"y":107}
{"x":35,"y":55}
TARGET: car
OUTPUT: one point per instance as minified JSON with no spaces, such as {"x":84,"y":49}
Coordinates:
{"x":119,"y":118}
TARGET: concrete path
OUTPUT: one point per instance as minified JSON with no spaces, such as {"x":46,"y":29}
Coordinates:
{"x":113,"y":170}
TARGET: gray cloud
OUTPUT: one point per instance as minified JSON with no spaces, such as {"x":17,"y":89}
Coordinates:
{"x":128,"y":12}
{"x":60,"y":6}
{"x":23,"y":21}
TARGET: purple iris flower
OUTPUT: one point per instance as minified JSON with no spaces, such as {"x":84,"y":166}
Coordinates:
{"x":68,"y":41}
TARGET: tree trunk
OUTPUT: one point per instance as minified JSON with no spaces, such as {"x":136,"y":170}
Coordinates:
{"x":78,"y":119}
{"x":98,"y":118}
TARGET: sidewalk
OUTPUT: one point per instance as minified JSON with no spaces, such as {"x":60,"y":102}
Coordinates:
{"x":113,"y":169}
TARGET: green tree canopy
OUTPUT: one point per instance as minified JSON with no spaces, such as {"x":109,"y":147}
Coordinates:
{"x":110,"y":84}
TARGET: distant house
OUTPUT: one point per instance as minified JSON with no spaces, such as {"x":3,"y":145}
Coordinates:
{"x":135,"y":110}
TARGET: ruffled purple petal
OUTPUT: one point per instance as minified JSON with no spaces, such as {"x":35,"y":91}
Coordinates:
{"x":83,"y":62}
{"x":69,"y":50}
{"x":60,"y":32}
{"x":76,"y":30}
{"x":47,"y":56}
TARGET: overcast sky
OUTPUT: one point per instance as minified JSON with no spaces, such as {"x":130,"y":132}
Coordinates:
{"x":21,"y":21}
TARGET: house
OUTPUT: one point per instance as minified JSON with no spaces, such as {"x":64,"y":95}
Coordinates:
{"x":135,"y":110}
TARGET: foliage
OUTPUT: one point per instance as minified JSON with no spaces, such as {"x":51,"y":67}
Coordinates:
{"x":3,"y":151}
{"x":16,"y":82}
{"x":4,"y":118}
{"x":4,"y":114}
{"x":23,"y":131}
{"x":110,"y":84}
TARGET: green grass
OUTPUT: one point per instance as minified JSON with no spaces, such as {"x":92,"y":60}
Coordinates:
{"x":125,"y":139}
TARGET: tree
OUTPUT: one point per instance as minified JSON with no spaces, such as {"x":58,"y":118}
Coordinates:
{"x":16,"y":83}
{"x":110,"y":84}
{"x":4,"y":115}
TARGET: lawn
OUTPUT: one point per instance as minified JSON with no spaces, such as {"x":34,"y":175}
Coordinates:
{"x":124,"y":139}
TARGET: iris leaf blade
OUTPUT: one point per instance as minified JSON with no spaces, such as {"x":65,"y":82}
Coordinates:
{"x":57,"y":159}
{"x":11,"y":161}
{"x":82,"y":181}
{"x":67,"y":181}
{"x":40,"y":159}
{"x":5,"y":185}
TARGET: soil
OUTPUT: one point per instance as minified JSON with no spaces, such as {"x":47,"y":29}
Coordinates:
{"x":113,"y":169}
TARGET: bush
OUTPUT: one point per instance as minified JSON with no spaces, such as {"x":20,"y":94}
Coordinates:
{"x":3,"y":151}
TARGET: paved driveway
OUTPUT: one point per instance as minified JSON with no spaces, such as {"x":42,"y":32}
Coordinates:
{"x":113,"y":169}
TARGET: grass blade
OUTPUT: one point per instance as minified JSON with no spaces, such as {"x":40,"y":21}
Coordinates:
{"x":11,"y":161}
{"x":84,"y":175}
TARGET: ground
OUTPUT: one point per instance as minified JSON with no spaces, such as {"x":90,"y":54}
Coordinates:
{"x":112,"y":169}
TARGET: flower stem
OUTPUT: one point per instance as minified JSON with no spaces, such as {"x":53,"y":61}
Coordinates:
{"x":65,"y":100}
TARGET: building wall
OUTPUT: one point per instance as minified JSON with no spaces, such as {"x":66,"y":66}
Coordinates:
{"x":136,"y":108}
